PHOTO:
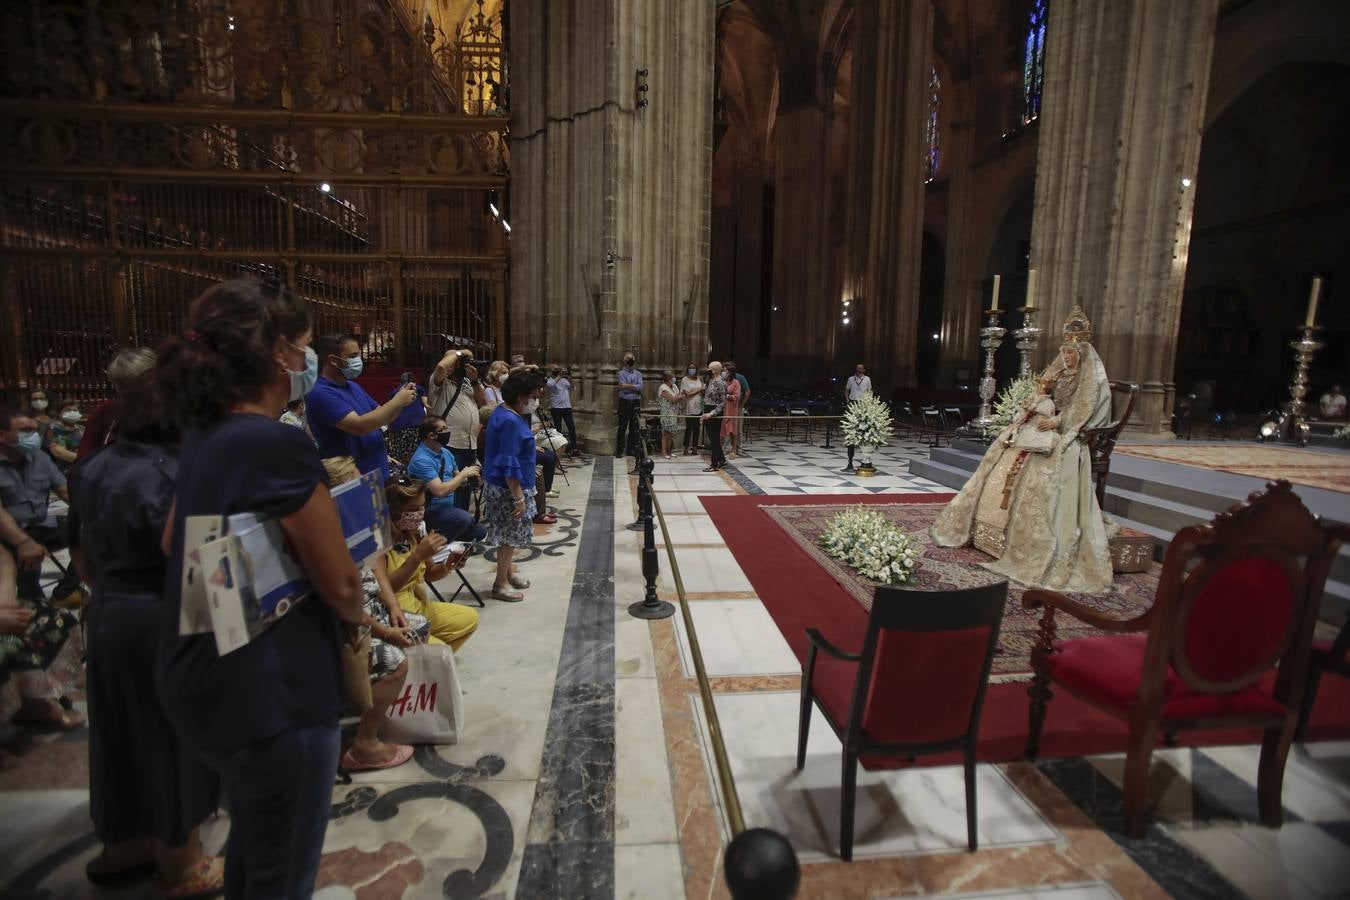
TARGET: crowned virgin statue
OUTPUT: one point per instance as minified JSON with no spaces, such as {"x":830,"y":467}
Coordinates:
{"x":1031,"y":503}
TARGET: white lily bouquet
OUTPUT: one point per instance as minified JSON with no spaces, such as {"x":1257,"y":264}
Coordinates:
{"x":867,"y":422}
{"x":878,"y":550}
{"x":1009,"y":403}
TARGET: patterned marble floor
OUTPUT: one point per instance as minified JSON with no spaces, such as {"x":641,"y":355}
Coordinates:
{"x":585,"y":770}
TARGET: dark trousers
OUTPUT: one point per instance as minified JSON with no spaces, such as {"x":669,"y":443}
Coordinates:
{"x":29,"y":581}
{"x":453,"y":523}
{"x":712,"y":435}
{"x":549,"y":461}
{"x":280,"y":793}
{"x":850,"y":456}
{"x":563,"y":416}
{"x":464,"y":493}
{"x":629,"y":420}
{"x":691,"y":425}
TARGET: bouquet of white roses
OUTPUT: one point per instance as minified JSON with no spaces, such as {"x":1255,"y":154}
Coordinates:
{"x":878,"y":550}
{"x":867,"y":422}
{"x":1009,"y":403}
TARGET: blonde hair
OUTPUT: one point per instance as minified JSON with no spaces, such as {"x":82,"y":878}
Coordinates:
{"x":403,"y":491}
{"x":340,"y":469}
{"x":130,"y":364}
{"x":498,"y":365}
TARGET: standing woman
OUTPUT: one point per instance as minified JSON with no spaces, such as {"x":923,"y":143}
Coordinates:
{"x":264,"y":717}
{"x":492,"y":388}
{"x":40,"y":408}
{"x":731,"y":417}
{"x":668,"y":398}
{"x":508,"y":476}
{"x":147,"y":792}
{"x":692,"y":388}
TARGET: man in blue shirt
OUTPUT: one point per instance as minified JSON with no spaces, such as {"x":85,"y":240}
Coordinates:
{"x":434,"y":464}
{"x":630,"y":408}
{"x":344,"y":419}
{"x":560,"y":405}
{"x":27,"y":478}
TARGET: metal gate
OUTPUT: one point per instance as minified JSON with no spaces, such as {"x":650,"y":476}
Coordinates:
{"x":152,"y":149}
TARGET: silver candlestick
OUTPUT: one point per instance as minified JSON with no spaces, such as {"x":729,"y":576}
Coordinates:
{"x":1028,"y":338}
{"x":1293,"y":424}
{"x":991,"y":338}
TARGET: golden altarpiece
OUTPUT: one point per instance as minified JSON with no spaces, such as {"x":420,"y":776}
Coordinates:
{"x":152,"y":147}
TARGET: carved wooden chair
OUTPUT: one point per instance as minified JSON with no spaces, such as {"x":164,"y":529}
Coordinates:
{"x":1101,"y":441}
{"x":1327,"y":657}
{"x":915,"y":688}
{"x":1225,"y":644}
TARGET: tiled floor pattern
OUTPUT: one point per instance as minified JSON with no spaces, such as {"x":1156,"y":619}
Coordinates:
{"x":1046,"y":830}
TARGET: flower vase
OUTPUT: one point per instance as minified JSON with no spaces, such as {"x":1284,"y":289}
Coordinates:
{"x":865,"y":466}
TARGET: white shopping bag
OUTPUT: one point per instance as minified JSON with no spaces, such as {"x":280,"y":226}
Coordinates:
{"x":430,"y":709}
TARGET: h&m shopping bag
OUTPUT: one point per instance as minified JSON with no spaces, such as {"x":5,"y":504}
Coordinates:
{"x":430,"y":710}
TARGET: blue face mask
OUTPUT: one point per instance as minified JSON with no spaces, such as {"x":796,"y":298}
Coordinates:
{"x":303,"y":382}
{"x":353,"y":367}
{"x":30,"y":441}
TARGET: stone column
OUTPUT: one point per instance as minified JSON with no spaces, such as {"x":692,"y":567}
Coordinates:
{"x":962,"y":291}
{"x":610,"y":203}
{"x":1120,"y":128}
{"x":801,"y":218}
{"x":881,"y":269}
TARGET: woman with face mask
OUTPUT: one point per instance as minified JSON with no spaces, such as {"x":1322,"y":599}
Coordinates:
{"x":39,"y":408}
{"x":692,"y":388}
{"x":345,"y":420}
{"x":492,"y":389}
{"x":100,"y":429}
{"x":410,"y":567}
{"x":509,"y":482}
{"x":64,"y":434}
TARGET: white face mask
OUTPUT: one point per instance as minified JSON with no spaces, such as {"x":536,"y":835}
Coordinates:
{"x":72,"y":416}
{"x":39,"y":404}
{"x":531,"y":407}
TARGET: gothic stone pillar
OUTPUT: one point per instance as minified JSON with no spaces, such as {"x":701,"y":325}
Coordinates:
{"x":1120,"y":128}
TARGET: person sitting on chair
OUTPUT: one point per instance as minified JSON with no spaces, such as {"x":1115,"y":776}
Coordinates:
{"x":27,"y":478}
{"x":435,"y":466}
{"x":411,"y":566}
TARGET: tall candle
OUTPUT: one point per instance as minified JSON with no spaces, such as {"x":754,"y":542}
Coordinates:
{"x":1031,"y":289}
{"x":1312,"y":301}
{"x":993,"y":307}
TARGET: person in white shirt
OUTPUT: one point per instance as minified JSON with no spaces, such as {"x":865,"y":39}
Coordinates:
{"x":1333,"y":403}
{"x":691,"y":386}
{"x":858,"y":386}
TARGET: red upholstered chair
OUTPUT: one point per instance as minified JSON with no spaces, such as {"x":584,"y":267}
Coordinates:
{"x":1327,"y":657}
{"x":915,"y":688}
{"x":1225,"y":644}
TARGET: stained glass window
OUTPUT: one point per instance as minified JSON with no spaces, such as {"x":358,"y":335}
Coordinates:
{"x":1033,"y":61}
{"x":931,"y":159}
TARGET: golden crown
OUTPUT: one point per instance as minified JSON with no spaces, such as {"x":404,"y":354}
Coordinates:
{"x":1078,"y":327}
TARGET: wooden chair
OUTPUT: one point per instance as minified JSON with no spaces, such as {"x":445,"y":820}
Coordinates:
{"x":1101,"y":441}
{"x":1225,"y":644}
{"x":1326,"y":657}
{"x":915,"y":688}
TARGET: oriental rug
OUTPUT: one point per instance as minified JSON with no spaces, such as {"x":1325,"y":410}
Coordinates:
{"x":943,"y":569}
{"x":1329,"y":471}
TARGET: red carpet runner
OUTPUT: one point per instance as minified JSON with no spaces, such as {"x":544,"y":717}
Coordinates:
{"x":799,"y":594}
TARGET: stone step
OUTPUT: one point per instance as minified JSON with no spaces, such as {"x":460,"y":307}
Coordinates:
{"x":956,"y":457}
{"x":1180,"y":494}
{"x":943,"y":473}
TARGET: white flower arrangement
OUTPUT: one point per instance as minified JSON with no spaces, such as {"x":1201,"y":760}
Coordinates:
{"x":867,"y":422}
{"x":878,"y":550}
{"x":1011,"y":400}
{"x":1342,"y":433}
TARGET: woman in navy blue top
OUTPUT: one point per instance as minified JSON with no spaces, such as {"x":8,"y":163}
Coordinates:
{"x":265,"y":716}
{"x":508,"y":481}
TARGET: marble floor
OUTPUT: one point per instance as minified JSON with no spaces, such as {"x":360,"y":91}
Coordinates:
{"x":585,"y":769}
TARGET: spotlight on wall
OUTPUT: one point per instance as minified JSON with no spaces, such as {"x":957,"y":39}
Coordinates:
{"x":775,"y":309}
{"x":1185,"y":183}
{"x":506,"y":225}
{"x":845,"y":320}
{"x":492,"y":208}
{"x":936,"y":336}
{"x":640,"y":88}
{"x":326,"y":187}
{"x":491,"y":202}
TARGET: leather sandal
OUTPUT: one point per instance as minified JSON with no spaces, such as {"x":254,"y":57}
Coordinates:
{"x":506,"y":596}
{"x":519,"y":583}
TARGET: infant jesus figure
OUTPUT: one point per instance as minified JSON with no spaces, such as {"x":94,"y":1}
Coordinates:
{"x":1035,"y":427}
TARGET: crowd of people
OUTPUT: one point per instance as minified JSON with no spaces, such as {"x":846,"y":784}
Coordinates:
{"x":247,"y":411}
{"x":710,"y":401}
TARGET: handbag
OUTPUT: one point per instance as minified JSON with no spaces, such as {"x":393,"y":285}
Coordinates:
{"x":356,"y":667}
{"x":430,"y":710}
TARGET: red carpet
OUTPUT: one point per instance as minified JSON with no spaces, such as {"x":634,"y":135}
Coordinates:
{"x":799,"y":594}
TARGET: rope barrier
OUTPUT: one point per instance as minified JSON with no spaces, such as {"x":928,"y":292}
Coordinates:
{"x":759,"y":862}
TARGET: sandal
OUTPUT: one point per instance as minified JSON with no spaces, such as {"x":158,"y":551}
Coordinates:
{"x":505,"y":596}
{"x":100,"y":872}
{"x":544,"y":519}
{"x":402,"y":753}
{"x":712,"y":469}
{"x":519,"y":583}
{"x":207,"y":881}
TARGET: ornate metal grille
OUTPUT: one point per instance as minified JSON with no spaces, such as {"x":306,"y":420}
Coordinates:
{"x":152,"y":148}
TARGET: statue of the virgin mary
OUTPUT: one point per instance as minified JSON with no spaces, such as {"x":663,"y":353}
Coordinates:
{"x":1036,"y":512}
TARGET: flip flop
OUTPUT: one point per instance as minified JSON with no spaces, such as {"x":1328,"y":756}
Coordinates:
{"x":519,"y":583}
{"x":207,"y":881}
{"x":402,"y":753}
{"x":506,"y":596}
